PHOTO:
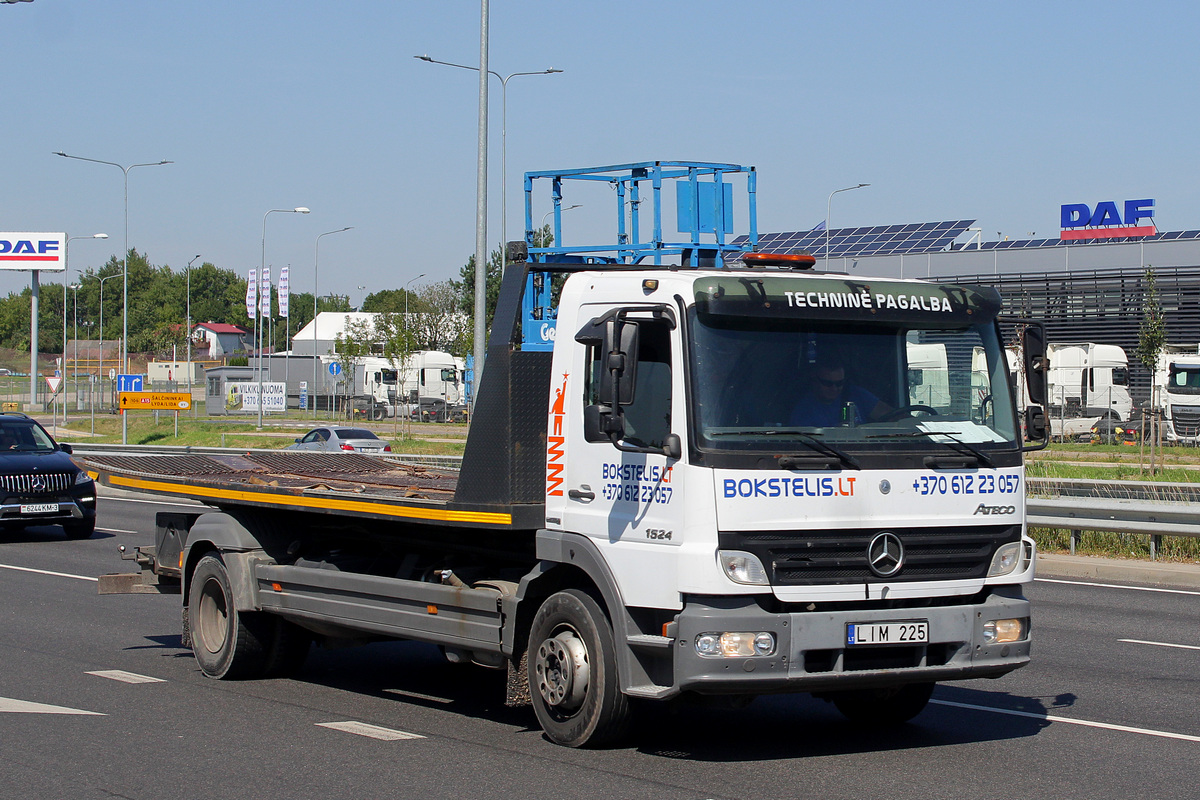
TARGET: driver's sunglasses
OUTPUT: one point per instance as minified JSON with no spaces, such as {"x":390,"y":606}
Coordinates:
{"x":831,"y":383}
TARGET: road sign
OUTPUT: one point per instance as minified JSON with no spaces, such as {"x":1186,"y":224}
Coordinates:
{"x":53,"y":383}
{"x":155,"y":401}
{"x":129,"y":383}
{"x":335,"y":368}
{"x":303,"y":392}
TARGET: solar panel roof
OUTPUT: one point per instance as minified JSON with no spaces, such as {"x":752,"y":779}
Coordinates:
{"x":878,"y":240}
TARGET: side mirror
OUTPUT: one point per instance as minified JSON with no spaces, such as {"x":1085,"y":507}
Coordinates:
{"x":66,"y":448}
{"x":1033,"y":351}
{"x":619,"y":373}
{"x":1035,"y":425}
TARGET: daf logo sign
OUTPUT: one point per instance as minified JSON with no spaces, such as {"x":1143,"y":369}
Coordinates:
{"x":885,"y":554}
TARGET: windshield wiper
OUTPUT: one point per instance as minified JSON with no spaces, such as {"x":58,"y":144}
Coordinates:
{"x":809,"y":439}
{"x":822,"y":447}
{"x":951,"y":435}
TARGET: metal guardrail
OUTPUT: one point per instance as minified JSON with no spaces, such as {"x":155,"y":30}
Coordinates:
{"x":1150,"y":508}
{"x":89,"y":448}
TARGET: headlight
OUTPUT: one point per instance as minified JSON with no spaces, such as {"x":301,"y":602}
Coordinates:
{"x":1000,"y":631}
{"x":735,"y":644}
{"x":1005,"y":560}
{"x":743,"y":567}
{"x":82,"y":478}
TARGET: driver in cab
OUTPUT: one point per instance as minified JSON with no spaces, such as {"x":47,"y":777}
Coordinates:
{"x":830,"y":400}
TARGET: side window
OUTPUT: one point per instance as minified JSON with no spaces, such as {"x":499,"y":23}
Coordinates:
{"x":323,"y":435}
{"x":648,"y":417}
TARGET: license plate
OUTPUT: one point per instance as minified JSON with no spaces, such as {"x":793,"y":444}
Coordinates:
{"x":913,"y":632}
{"x":40,"y":508}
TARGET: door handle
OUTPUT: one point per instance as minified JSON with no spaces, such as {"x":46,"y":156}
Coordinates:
{"x":581,"y":494}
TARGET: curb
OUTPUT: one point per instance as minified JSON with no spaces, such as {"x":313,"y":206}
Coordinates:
{"x":1146,"y":573}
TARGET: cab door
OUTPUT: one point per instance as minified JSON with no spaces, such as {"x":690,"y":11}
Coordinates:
{"x":628,"y":503}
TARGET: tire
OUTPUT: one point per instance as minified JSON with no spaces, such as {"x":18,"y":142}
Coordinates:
{"x":379,"y":413}
{"x":573,"y":672}
{"x":80,"y":530}
{"x":883,"y":707}
{"x":227,"y":643}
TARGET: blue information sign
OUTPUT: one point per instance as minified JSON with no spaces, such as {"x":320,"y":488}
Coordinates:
{"x":129,"y":383}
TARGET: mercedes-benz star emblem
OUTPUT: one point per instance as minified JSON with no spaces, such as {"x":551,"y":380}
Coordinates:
{"x":39,"y":483}
{"x":885,"y":554}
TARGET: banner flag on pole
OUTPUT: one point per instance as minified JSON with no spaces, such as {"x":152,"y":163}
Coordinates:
{"x":252,"y":293}
{"x":265,"y":298}
{"x":283,"y":291}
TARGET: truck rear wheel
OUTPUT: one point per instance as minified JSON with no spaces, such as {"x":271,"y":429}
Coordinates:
{"x":889,"y":706}
{"x":573,"y":672}
{"x":232,"y":644}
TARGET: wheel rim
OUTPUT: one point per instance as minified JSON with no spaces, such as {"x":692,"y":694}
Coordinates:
{"x":214,"y":617}
{"x":562,"y":671}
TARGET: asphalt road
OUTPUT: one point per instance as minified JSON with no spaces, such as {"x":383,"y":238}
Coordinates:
{"x":1109,"y":708}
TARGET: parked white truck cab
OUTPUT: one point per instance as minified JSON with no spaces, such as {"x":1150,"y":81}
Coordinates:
{"x":1089,"y":380}
{"x":1177,"y":392}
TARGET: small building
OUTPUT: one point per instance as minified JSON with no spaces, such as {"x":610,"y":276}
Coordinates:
{"x":221,"y":338}
{"x":219,"y":400}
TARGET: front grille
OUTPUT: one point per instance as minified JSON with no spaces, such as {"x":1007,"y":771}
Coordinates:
{"x":40,"y":483}
{"x":1185,"y":420}
{"x":805,"y":558}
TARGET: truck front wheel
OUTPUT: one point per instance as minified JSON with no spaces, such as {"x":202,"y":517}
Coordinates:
{"x":889,"y":706}
{"x":573,"y":672}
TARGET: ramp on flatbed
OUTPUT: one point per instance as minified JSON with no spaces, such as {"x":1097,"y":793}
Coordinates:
{"x":350,"y":484}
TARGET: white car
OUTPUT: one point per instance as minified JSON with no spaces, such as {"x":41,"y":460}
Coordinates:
{"x":336,"y":439}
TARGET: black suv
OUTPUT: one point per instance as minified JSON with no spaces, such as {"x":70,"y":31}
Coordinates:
{"x":39,"y":483}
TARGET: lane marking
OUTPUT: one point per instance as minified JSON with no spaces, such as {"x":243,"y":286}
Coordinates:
{"x":1119,"y":586}
{"x":115,"y":530}
{"x":1069,"y":721}
{"x":11,"y":706}
{"x":1161,"y":644}
{"x":176,"y":503}
{"x":49,"y":572}
{"x":371,"y":731}
{"x":419,"y":696}
{"x":123,"y":676}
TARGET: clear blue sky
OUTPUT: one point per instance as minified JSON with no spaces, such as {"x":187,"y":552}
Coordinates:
{"x":949,"y":110}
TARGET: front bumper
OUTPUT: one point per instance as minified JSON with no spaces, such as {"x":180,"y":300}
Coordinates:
{"x":75,"y":507}
{"x":812,"y":654}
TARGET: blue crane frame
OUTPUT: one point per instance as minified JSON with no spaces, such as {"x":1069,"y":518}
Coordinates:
{"x":704,"y":212}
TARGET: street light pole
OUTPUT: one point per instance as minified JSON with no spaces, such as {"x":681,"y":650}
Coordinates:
{"x":188,"y":333}
{"x":316,"y":260}
{"x":828,"y":206}
{"x":481,"y":253}
{"x":262,"y":266}
{"x":102,"y":280}
{"x":407,"y":340}
{"x":125,"y":260}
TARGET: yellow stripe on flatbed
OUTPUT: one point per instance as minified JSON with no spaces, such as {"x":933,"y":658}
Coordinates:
{"x":329,"y":503}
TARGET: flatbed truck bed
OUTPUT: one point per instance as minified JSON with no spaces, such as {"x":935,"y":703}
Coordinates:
{"x":363,"y":486}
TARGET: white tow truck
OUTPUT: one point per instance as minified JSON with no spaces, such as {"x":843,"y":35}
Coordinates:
{"x":642,"y":511}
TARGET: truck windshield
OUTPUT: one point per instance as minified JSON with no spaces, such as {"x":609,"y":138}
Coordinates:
{"x":1184,"y":379}
{"x":860,"y":379}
